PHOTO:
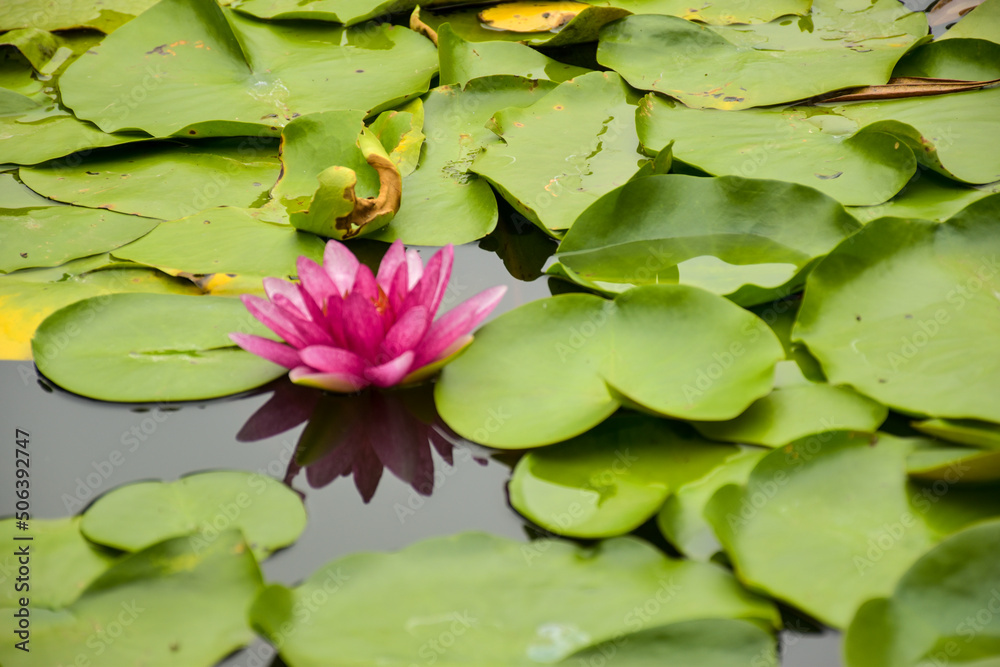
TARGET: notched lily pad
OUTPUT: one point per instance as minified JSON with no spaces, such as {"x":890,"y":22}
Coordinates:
{"x":201,"y":507}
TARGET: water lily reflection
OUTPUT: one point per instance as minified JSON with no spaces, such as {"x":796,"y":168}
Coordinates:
{"x":359,"y":435}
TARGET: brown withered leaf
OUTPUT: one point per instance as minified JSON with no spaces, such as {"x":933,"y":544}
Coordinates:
{"x":416,"y":25}
{"x":369,"y":209}
{"x":902,"y":87}
{"x":945,"y":12}
{"x":531,"y":16}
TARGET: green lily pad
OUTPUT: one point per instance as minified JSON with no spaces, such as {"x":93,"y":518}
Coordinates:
{"x":940,"y":611}
{"x":751,"y":241}
{"x":671,"y":349}
{"x":107,"y":15}
{"x":66,"y":560}
{"x":186,"y":179}
{"x":462,"y":61}
{"x":715,"y":12}
{"x":54,"y":235}
{"x":793,"y":519}
{"x":611,"y":480}
{"x":29,"y":296}
{"x":899,"y":311}
{"x":565,"y":151}
{"x":806,"y":145}
{"x":955,"y":465}
{"x":222,"y":74}
{"x":964,"y":431}
{"x":797,"y":408}
{"x":929,"y":196}
{"x":401,"y":133}
{"x":737,"y":67}
{"x":962,"y":59}
{"x":442,"y":201}
{"x":348,"y":12}
{"x":682,"y":517}
{"x":983,"y":22}
{"x":223,"y":240}
{"x":171,"y":605}
{"x":49,"y":53}
{"x":584,"y":27}
{"x":151,"y":347}
{"x":705,"y":643}
{"x":928,"y":125}
{"x":136,"y":516}
{"x":546,"y":592}
{"x":15,"y":195}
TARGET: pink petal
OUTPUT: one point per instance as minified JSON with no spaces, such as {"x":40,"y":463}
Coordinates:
{"x":335,"y":321}
{"x":415,"y":268}
{"x":338,"y":382}
{"x":390,"y":373}
{"x":316,"y":282}
{"x":333,"y":360}
{"x":275,"y":318}
{"x":273,"y":351}
{"x":399,"y":288}
{"x":430,"y":289}
{"x":276,"y":286}
{"x":391,"y":261}
{"x":310,"y":332}
{"x":364,"y":283}
{"x":340,"y":264}
{"x":456,"y":323}
{"x":407,"y":332}
{"x":363,"y":328}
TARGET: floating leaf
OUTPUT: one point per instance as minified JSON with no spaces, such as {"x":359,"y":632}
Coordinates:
{"x":983,"y":22}
{"x":928,"y":196}
{"x":964,"y":431}
{"x":751,"y":241}
{"x":565,"y":151}
{"x":716,"y":12}
{"x":682,"y":518}
{"x":442,"y":202}
{"x":359,"y":186}
{"x":793,"y":519}
{"x":582,"y":27}
{"x":806,"y":145}
{"x":940,"y":611}
{"x":965,"y":59}
{"x":462,"y":61}
{"x":348,"y":12}
{"x":737,"y":67}
{"x":29,"y":296}
{"x":151,"y":347}
{"x":528,"y":16}
{"x":170,"y":605}
{"x":377,"y":610}
{"x":610,"y":480}
{"x":673,"y":349}
{"x":222,"y":74}
{"x":104,"y":16}
{"x":797,"y":408}
{"x":927,"y":125}
{"x":223,"y":240}
{"x":705,"y":643}
{"x":134,"y":517}
{"x":886,"y":311}
{"x":954,"y":465}
{"x":15,"y":195}
{"x":56,"y":234}
{"x":400,"y":132}
{"x":65,"y":559}
{"x":185,"y":179}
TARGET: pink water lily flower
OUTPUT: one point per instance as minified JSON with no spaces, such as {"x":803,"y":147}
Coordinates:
{"x":346,"y":328}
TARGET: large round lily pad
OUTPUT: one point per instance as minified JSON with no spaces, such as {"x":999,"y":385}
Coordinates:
{"x":493,"y":601}
{"x":176,"y":604}
{"x":749,"y":240}
{"x":202,"y":506}
{"x":673,"y":349}
{"x":188,"y":67}
{"x":794,"y":519}
{"x":612,"y":479}
{"x":905,"y":312}
{"x":151,"y":347}
{"x":941,"y":611}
